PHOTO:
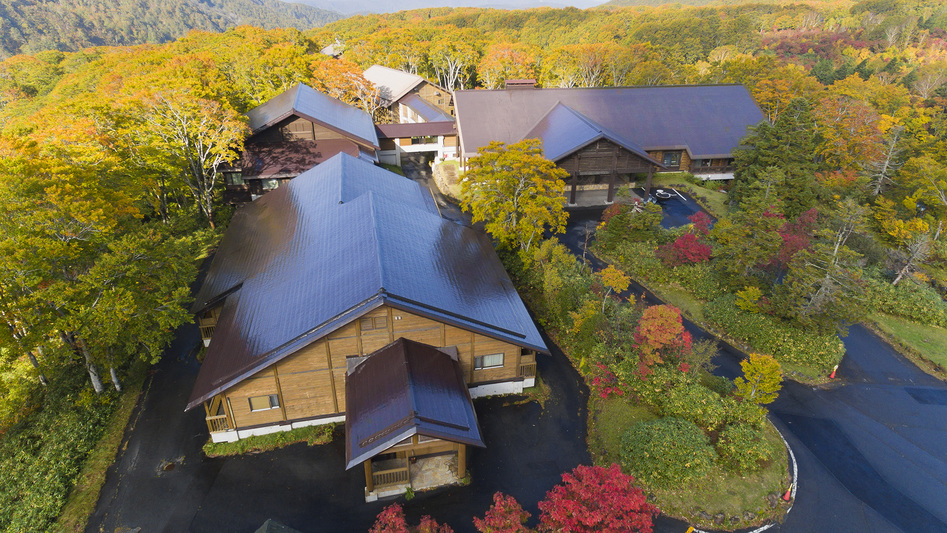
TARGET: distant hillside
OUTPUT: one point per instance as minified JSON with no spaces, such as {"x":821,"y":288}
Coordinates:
{"x":374,"y":6}
{"x":28,"y":26}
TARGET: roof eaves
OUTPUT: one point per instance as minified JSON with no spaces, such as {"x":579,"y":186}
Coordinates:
{"x":290,"y":347}
{"x":464,"y":323}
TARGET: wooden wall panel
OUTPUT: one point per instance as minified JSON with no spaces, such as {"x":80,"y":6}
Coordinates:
{"x":308,"y":394}
{"x":511,"y":360}
{"x":343,"y":347}
{"x":262,"y":384}
{"x":339,"y":377}
{"x":322,"y":133}
{"x":312,"y":357}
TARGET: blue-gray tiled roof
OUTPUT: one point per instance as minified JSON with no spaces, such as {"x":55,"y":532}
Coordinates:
{"x":306,"y":102}
{"x":332,"y":244}
{"x":707,"y":120}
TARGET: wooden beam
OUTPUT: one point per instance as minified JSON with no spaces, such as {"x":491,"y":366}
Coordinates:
{"x":369,"y":480}
{"x":461,"y":460}
{"x":647,"y":184}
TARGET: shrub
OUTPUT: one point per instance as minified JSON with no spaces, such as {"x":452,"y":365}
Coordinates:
{"x":771,"y":335}
{"x":685,"y":250}
{"x":596,"y":499}
{"x":695,"y":403}
{"x":506,"y":515}
{"x":744,"y":448}
{"x":701,"y":280}
{"x":738,"y":412}
{"x":42,"y":454}
{"x":908,"y":300}
{"x":667,"y":452}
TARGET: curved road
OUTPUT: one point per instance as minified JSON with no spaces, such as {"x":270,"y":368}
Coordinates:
{"x":871,"y":446}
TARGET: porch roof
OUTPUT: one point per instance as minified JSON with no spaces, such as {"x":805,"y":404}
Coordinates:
{"x":404,"y":389}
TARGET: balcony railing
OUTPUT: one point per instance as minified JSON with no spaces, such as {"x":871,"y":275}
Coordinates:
{"x":528,"y":370}
{"x":217,"y":423}
{"x":716,"y":169}
{"x":393,"y":476}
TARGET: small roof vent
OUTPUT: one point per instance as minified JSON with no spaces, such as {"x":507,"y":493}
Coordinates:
{"x":521,"y":84}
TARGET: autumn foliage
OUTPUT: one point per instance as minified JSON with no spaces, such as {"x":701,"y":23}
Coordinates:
{"x":595,"y":499}
{"x":391,"y":520}
{"x":660,"y":334}
{"x":690,"y":248}
{"x":506,"y":515}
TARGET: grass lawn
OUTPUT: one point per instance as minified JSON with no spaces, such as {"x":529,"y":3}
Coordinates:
{"x":608,"y":420}
{"x":679,"y":297}
{"x":744,"y":500}
{"x":927,"y":343}
{"x":392,"y":168}
{"x":314,"y":435}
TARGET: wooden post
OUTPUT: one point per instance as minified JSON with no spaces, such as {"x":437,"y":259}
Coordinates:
{"x":647,"y":184}
{"x":369,"y":480}
{"x":611,"y":187}
{"x":461,"y":460}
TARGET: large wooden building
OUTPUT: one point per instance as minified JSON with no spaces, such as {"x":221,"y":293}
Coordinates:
{"x":346,"y":263}
{"x":293,"y":132}
{"x":409,"y":97}
{"x":602,"y":135}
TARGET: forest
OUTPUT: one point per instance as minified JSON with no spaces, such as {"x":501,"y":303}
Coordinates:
{"x":34,"y":26}
{"x":112,"y":156}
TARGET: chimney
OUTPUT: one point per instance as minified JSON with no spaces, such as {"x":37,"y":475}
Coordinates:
{"x":520,"y":84}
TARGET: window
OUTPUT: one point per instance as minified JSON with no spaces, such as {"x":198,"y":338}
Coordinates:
{"x":424,"y":140}
{"x":262,"y":403}
{"x":672,"y":159}
{"x":234,"y":178}
{"x":269,"y":184}
{"x":493,"y":360}
{"x":369,"y":323}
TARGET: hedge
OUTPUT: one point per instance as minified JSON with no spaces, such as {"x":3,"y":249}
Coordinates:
{"x":773,"y":336}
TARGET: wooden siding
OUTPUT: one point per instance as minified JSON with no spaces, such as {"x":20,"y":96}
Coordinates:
{"x":311,"y":382}
{"x":435,"y":95}
{"x":602,"y":158}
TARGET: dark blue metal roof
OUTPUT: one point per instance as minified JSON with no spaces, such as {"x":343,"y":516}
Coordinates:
{"x":564,"y":130}
{"x":304,"y":101}
{"x":707,"y":120}
{"x":404,"y":389}
{"x":332,"y":244}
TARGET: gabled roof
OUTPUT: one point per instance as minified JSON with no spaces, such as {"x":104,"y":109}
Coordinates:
{"x":332,"y":244}
{"x":707,"y":120}
{"x":404,"y":389}
{"x":564,"y":130}
{"x":392,"y":84}
{"x":306,"y":102}
{"x":426,"y":110}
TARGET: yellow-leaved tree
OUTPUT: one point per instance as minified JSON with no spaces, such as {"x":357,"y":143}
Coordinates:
{"x":515,"y":191}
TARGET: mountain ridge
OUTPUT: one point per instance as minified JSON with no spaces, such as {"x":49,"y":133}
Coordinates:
{"x":29,"y":26}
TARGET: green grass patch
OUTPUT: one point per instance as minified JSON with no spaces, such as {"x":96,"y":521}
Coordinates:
{"x":392,"y":168}
{"x":681,"y":298}
{"x":608,"y":420}
{"x":539,"y":392}
{"x":926,"y":345}
{"x":85,"y":495}
{"x":744,"y":500}
{"x":313,"y":435}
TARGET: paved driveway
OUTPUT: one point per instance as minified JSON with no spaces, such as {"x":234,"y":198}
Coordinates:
{"x":528,"y":448}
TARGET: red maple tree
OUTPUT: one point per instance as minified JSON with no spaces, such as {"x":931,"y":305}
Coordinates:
{"x":595,"y":499}
{"x":506,"y":515}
